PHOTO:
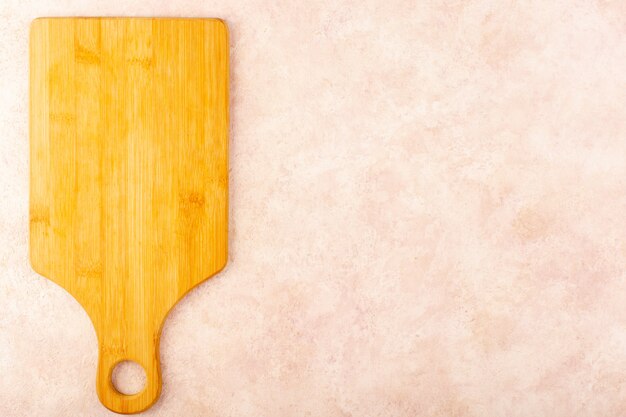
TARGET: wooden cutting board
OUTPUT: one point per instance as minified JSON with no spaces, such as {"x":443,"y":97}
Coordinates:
{"x":129,"y":175}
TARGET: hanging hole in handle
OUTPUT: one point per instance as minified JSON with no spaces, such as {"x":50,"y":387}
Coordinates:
{"x":128,"y":377}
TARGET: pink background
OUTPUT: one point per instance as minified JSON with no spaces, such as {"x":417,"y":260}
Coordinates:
{"x":428,"y":218}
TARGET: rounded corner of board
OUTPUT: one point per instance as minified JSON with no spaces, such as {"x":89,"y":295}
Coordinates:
{"x":35,"y":264}
{"x":35,"y":25}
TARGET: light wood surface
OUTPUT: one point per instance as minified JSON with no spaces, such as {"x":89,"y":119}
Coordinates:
{"x":129,"y":175}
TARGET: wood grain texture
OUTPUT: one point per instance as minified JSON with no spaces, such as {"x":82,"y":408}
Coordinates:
{"x":129,"y":174}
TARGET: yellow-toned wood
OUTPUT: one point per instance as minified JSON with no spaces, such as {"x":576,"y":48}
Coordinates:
{"x":129,"y":175}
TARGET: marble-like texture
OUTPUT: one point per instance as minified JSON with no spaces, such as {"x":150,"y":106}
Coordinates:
{"x":427,"y":218}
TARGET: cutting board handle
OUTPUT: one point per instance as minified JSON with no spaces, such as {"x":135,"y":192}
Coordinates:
{"x":109,"y":357}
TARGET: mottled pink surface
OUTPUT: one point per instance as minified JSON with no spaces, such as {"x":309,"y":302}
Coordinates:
{"x":428,"y":218}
